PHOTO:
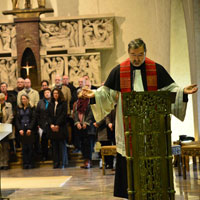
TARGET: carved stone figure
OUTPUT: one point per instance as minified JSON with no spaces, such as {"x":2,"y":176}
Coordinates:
{"x":12,"y":73}
{"x":47,"y":69}
{"x":60,"y":66}
{"x":27,"y":4}
{"x":76,"y":34}
{"x":41,"y":3}
{"x":73,"y":69}
{"x":88,"y":33}
{"x":5,"y":37}
{"x":93,"y":66}
{"x":13,"y":38}
{"x":82,"y":66}
{"x":15,"y":4}
{"x":4,"y":70}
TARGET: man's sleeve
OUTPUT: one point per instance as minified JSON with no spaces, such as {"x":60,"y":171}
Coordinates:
{"x":178,"y":109}
{"x":106,"y":99}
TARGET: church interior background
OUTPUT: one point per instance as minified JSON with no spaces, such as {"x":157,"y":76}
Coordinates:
{"x":91,"y":37}
{"x":170,"y":32}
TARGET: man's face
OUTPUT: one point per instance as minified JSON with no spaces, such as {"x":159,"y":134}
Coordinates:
{"x":4,"y":88}
{"x":20,"y":83}
{"x":57,"y":80}
{"x":44,"y":85}
{"x":27,"y":83}
{"x":65,"y":80}
{"x":47,"y":94}
{"x":81,"y":82}
{"x":88,"y":84}
{"x":137,"y":56}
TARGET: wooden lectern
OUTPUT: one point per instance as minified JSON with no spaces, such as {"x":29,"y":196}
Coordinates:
{"x":148,"y":145}
{"x":5,"y":129}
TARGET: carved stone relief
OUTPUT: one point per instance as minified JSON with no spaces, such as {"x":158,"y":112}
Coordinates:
{"x":7,"y":38}
{"x":75,"y":66}
{"x":77,"y":33}
{"x":8,"y":71}
{"x":98,"y":32}
{"x":52,"y":66}
{"x":85,"y":64}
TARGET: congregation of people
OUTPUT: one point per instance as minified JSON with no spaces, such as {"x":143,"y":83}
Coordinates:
{"x":52,"y":123}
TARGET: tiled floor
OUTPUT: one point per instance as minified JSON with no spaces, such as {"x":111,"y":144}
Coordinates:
{"x":89,"y":184}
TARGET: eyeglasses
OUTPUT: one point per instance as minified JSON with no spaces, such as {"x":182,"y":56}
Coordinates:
{"x":140,"y":55}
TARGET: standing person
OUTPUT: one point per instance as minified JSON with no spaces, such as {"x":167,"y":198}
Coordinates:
{"x":65,"y":90}
{"x":26,"y":125}
{"x":20,"y":87}
{"x":105,"y":133}
{"x":135,"y":73}
{"x":33,"y":100}
{"x":32,"y":94}
{"x":110,"y":121}
{"x":11,"y":98}
{"x":70,"y":121}
{"x":42,"y":121}
{"x":44,"y":85}
{"x":66,"y":82}
{"x":57,"y":113}
{"x":86,"y":77}
{"x":83,"y":121}
{"x":6,"y":116}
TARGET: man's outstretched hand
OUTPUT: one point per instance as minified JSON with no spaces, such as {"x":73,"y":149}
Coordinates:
{"x":191,"y":89}
{"x":87,"y":93}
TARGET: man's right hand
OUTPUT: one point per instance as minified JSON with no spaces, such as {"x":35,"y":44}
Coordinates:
{"x":87,"y":93}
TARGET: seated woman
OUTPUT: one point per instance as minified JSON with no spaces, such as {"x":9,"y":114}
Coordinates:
{"x":26,"y":125}
{"x":6,"y":116}
{"x":57,"y":112}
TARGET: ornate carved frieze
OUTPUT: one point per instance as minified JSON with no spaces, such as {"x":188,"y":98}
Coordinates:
{"x":7,"y":38}
{"x":87,"y":33}
{"x":75,"y":66}
{"x":8,"y":71}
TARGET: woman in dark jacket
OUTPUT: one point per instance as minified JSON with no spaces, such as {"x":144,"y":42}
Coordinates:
{"x":57,"y":111}
{"x":26,"y":125}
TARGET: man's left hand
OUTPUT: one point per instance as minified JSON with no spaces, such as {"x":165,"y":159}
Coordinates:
{"x":191,"y":89}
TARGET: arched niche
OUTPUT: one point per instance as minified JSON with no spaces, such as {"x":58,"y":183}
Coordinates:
{"x":29,"y":66}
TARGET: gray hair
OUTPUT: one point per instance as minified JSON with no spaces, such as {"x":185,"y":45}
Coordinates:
{"x":135,"y":44}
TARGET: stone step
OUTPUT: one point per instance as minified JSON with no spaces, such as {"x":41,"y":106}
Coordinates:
{"x":75,"y":159}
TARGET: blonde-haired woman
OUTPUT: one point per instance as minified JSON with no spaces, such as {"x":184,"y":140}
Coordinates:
{"x":26,"y":125}
{"x":6,"y":116}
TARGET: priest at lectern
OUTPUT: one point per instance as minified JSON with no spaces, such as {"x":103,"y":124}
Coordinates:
{"x":137,"y":73}
{"x":6,"y":117}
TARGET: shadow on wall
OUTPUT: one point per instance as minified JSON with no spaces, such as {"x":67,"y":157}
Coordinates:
{"x":109,"y":58}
